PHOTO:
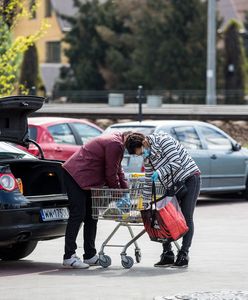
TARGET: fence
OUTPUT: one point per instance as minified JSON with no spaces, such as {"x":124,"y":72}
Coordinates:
{"x":166,"y":96}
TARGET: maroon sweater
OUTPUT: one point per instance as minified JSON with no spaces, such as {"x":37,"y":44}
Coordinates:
{"x":98,"y":163}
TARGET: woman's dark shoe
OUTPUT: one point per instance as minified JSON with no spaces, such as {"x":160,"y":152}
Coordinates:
{"x":182,"y":260}
{"x":167,"y":259}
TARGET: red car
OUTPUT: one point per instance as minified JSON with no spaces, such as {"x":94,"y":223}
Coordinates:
{"x":59,"y":137}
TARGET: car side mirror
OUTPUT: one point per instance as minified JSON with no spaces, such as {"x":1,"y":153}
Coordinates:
{"x":236,"y":147}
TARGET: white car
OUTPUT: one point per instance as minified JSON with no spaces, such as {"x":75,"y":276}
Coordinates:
{"x":222,"y":161}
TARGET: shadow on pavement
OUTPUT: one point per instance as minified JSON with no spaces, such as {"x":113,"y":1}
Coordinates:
{"x":110,"y":272}
{"x":23,"y":267}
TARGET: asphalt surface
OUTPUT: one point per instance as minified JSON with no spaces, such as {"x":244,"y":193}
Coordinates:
{"x":218,"y":266}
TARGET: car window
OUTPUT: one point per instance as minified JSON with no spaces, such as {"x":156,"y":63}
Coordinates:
{"x":215,"y":140}
{"x":187,"y":136}
{"x":62,"y":134}
{"x":86,"y":132}
{"x":32,"y":133}
{"x":165,"y":129}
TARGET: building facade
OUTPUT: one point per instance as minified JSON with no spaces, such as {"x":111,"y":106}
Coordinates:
{"x":50,"y":47}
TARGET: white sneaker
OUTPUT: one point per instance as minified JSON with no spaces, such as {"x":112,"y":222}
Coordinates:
{"x":93,"y":261}
{"x":74,"y":263}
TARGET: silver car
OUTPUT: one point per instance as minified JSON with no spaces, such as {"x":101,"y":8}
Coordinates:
{"x":222,"y":161}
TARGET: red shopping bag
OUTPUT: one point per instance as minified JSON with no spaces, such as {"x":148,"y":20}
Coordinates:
{"x":164,"y":219}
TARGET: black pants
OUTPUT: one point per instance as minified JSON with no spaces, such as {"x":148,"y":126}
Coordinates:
{"x":80,"y":207}
{"x":188,"y":203}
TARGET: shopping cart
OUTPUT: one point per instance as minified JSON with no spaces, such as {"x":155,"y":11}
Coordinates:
{"x":122,"y":206}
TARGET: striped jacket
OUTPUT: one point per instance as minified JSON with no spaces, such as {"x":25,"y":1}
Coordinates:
{"x":167,"y":155}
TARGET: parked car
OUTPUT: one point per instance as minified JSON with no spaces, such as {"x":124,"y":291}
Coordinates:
{"x":222,"y":161}
{"x":33,"y":203}
{"x":59,"y":137}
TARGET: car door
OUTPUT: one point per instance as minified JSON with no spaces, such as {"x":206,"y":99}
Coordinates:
{"x":226,"y":165}
{"x":64,"y":142}
{"x":188,"y":136}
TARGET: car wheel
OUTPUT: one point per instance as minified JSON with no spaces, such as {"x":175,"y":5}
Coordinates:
{"x":17,"y":251}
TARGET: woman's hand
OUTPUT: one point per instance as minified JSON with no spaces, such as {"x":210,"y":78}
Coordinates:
{"x":154,"y":176}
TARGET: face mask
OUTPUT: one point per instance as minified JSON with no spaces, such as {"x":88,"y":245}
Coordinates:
{"x":146,"y":152}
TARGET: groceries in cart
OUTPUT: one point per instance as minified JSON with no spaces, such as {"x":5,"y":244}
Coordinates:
{"x":119,"y":207}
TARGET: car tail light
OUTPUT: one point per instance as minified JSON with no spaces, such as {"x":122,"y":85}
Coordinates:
{"x":8,"y":182}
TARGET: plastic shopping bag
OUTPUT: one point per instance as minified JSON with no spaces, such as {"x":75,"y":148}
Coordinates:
{"x":164,"y":220}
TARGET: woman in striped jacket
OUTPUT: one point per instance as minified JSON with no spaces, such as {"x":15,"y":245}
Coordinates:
{"x":164,"y":156}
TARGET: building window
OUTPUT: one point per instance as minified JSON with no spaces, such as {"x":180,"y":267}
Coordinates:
{"x":48,"y":8}
{"x":53,"y":52}
{"x":32,"y":9}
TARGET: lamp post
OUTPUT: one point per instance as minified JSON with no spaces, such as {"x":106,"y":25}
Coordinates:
{"x":140,"y":98}
{"x":211,"y":54}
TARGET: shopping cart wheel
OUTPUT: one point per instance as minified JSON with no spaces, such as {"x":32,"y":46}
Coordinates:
{"x":127,"y":262}
{"x":138,"y":255}
{"x":104,"y":261}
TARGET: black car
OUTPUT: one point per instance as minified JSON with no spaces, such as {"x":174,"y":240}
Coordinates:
{"x":33,"y":202}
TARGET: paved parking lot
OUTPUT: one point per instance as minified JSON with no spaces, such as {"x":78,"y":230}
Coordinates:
{"x":218,"y":267}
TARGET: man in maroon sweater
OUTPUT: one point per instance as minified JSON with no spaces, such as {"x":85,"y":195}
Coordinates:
{"x":95,"y":164}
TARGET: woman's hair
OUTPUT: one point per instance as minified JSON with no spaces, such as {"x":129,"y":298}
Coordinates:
{"x":134,"y":140}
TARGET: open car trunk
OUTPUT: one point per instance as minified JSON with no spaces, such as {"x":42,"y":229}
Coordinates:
{"x":39,"y":178}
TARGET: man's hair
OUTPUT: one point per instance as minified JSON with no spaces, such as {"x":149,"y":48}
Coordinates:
{"x":134,"y":140}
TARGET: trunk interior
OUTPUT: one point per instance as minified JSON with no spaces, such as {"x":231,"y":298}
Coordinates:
{"x":39,"y":177}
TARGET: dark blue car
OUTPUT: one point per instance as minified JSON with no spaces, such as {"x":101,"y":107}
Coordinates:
{"x":33,"y":203}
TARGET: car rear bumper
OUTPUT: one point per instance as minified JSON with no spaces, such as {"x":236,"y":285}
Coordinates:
{"x":26,"y":224}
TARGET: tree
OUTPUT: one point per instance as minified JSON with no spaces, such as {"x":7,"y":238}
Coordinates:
{"x":11,"y":50}
{"x":29,"y":77}
{"x":235,"y":64}
{"x":121,"y":44}
{"x":86,"y":49}
{"x":161,"y":44}
{"x":119,"y":32}
{"x":246,"y":33}
{"x":172,"y":51}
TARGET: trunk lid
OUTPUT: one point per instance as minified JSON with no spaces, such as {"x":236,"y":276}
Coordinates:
{"x":14,"y":112}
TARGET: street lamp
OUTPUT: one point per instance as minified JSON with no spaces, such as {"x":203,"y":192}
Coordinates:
{"x":140,"y":99}
{"x":211,"y":54}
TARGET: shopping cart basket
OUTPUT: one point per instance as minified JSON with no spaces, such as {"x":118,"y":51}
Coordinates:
{"x":123,"y":206}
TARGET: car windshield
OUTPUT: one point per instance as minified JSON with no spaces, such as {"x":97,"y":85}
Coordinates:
{"x":8,"y":151}
{"x":146,"y":130}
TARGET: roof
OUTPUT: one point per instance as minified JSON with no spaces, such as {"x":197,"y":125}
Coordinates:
{"x":232,"y":9}
{"x":64,"y":8}
{"x":53,"y":120}
{"x":67,"y":8}
{"x":155,"y":123}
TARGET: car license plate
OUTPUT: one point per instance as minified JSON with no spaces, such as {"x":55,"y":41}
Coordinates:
{"x":53,"y":214}
{"x":125,"y":161}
